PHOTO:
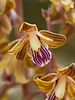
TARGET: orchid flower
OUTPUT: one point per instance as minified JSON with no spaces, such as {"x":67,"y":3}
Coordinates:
{"x":60,"y":85}
{"x":35,"y":44}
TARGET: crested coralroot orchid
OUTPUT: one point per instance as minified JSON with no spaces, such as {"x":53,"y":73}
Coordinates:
{"x":63,"y":5}
{"x":35,"y":44}
{"x":6,"y":6}
{"x":5,"y":22}
{"x":60,"y":85}
{"x":13,"y":67}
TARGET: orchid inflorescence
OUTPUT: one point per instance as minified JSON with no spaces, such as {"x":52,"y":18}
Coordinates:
{"x":30,"y":56}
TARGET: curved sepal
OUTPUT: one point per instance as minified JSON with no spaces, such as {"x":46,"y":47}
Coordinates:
{"x":20,"y":72}
{"x":71,"y":87}
{"x":52,"y":39}
{"x":45,"y":83}
{"x":3,"y":46}
{"x":17,"y":46}
{"x":5,"y":25}
{"x":26,"y":27}
{"x":69,"y":71}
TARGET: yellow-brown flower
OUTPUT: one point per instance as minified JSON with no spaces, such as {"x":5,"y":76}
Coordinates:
{"x":6,"y":6}
{"x":63,"y":5}
{"x":60,"y":86}
{"x":13,"y":67}
{"x":5,"y":21}
{"x":35,"y":44}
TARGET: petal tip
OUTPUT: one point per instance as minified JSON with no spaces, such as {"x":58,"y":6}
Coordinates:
{"x":26,"y":27}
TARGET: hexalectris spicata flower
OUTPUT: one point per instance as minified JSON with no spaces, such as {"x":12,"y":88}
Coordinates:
{"x":35,"y":44}
{"x":6,"y":6}
{"x":5,"y":23}
{"x":63,"y":5}
{"x":13,"y":67}
{"x":60,"y":86}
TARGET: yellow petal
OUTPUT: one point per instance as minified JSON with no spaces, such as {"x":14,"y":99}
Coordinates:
{"x":70,"y":70}
{"x":54,"y":12}
{"x":71,"y":87}
{"x":45,"y":83}
{"x":3,"y":46}
{"x":13,"y":43}
{"x":11,"y":65}
{"x":34,"y":42}
{"x":3,"y":62}
{"x":71,"y":82}
{"x":5,"y":96}
{"x":26,"y":27}
{"x":60,"y":87}
{"x":67,"y":5}
{"x":50,"y":77}
{"x":71,"y":91}
{"x":18,"y":46}
{"x":20,"y":72}
{"x":28,"y":62}
{"x":6,"y":6}
{"x":70,"y":16}
{"x":3,"y":65}
{"x":44,"y":86}
{"x":52,"y":39}
{"x":63,"y":5}
{"x":22,"y":54}
{"x":5,"y":24}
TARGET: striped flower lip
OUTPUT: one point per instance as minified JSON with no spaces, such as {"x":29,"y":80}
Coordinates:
{"x":60,"y":85}
{"x":42,"y":57}
{"x":35,"y":44}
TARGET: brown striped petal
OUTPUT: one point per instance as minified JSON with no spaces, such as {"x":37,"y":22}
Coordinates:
{"x":3,"y":46}
{"x":45,"y":83}
{"x":18,"y":47}
{"x":13,"y":43}
{"x":5,"y":25}
{"x":69,"y":71}
{"x":20,"y":72}
{"x":22,"y":54}
{"x":26,"y":27}
{"x":6,"y":6}
{"x":4,"y":62}
{"x":71,"y":87}
{"x":52,"y":39}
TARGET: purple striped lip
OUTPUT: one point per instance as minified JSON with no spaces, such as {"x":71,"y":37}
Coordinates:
{"x":42,"y":57}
